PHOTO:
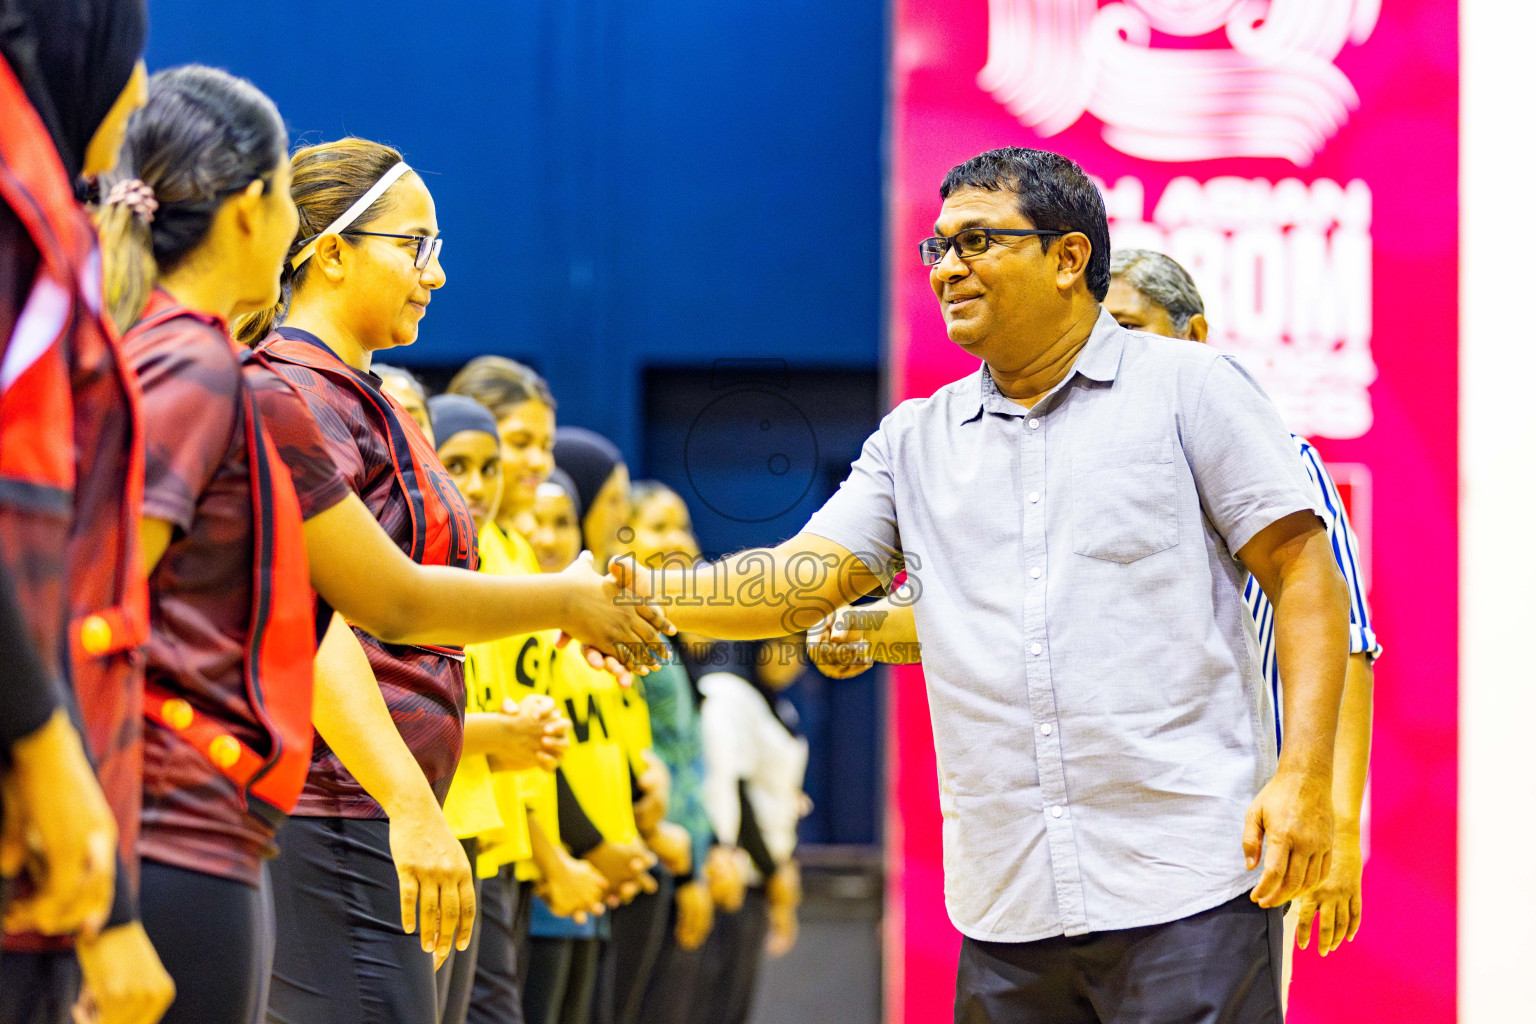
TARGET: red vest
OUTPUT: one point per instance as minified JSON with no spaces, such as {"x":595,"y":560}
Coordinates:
{"x":441,"y":532}
{"x":280,"y":643}
{"x":71,"y":466}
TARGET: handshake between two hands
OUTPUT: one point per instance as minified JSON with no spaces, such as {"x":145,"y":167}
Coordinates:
{"x":615,"y":618}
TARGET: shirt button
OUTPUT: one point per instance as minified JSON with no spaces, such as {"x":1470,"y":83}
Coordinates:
{"x":1056,"y":811}
{"x":1034,"y":496}
{"x":1035,"y":649}
{"x":1045,"y":730}
{"x":1034,"y":424}
{"x":1034,"y":572}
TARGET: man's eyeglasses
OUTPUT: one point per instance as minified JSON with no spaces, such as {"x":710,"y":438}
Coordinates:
{"x":970,"y":242}
{"x":428,"y":247}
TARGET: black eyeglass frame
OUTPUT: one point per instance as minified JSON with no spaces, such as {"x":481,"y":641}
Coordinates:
{"x":427,"y":246}
{"x":952,"y":241}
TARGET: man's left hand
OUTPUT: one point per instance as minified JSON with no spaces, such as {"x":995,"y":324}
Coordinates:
{"x":1335,"y":903}
{"x":1291,"y":822}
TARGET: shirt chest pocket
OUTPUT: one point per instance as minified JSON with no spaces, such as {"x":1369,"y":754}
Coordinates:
{"x":1124,"y":502}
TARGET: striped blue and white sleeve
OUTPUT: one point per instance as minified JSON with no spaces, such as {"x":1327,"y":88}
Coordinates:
{"x":1346,"y":551}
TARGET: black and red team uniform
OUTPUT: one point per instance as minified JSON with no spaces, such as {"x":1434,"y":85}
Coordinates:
{"x":341,"y":954}
{"x":231,"y":649}
{"x":70,"y":471}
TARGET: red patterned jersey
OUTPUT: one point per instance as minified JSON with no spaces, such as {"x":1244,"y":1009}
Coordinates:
{"x":385,"y":459}
{"x":197,"y":478}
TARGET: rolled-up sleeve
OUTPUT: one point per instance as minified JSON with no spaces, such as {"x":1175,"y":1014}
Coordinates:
{"x":861,"y":514}
{"x":1243,"y":459}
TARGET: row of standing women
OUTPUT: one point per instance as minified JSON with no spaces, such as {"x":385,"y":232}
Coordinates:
{"x":254,"y":576}
{"x":650,"y":782}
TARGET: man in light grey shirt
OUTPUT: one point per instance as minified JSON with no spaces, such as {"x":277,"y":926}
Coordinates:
{"x":1080,"y":515}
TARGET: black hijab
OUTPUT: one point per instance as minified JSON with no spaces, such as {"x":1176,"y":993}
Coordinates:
{"x":73,"y":58}
{"x":589,"y":459}
{"x":454,"y":414}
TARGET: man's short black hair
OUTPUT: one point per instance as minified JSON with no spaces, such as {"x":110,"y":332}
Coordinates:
{"x":1053,"y":192}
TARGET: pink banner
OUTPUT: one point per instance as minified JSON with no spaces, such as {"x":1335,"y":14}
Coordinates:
{"x":1300,"y":158}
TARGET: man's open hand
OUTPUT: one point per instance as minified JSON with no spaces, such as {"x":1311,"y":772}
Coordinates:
{"x":1291,"y":823}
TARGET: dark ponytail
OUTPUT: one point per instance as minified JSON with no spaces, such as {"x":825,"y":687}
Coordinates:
{"x":203,"y":136}
{"x":327,"y":180}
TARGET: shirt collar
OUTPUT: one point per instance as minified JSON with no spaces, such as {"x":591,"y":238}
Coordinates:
{"x":295,"y":334}
{"x":1099,"y":361}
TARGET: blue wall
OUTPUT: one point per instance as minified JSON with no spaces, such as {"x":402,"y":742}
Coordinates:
{"x":620,"y":183}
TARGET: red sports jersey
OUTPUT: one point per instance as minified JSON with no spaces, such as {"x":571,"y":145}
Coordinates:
{"x":386,"y":460}
{"x":197,"y":477}
{"x":70,"y":466}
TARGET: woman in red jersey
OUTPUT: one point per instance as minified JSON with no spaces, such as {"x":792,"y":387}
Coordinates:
{"x":69,"y":471}
{"x":361,"y":272}
{"x":232,"y":627}
{"x":239,"y":485}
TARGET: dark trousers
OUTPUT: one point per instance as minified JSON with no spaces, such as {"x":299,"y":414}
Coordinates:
{"x":561,"y":981}
{"x":342,"y":957}
{"x":1221,"y":966}
{"x":456,"y":978}
{"x":38,"y":988}
{"x":501,"y":959}
{"x":728,"y":975}
{"x":214,"y":939}
{"x":669,"y":992}
{"x":638,"y":930}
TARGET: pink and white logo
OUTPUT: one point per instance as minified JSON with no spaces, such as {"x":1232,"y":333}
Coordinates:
{"x":1178,"y":80}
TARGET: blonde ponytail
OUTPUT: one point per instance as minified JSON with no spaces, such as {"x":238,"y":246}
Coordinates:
{"x":128,"y":270}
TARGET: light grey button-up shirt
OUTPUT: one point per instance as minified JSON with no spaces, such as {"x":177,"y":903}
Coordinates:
{"x":1098,"y":709}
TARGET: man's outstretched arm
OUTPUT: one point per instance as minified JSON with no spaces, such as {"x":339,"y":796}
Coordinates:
{"x":759,"y":593}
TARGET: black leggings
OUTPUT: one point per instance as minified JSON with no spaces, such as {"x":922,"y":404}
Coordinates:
{"x":501,"y":960}
{"x":214,"y":939}
{"x":638,"y":930}
{"x":669,"y":992}
{"x":457,"y":975}
{"x":38,"y":988}
{"x":342,"y":957}
{"x":728,"y":976}
{"x":562,"y":979}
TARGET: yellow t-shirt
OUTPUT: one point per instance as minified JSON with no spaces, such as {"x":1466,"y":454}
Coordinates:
{"x":491,"y":805}
{"x":596,"y":765}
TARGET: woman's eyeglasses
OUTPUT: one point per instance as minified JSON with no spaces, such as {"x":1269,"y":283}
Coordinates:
{"x":428,"y":247}
{"x":970,"y":242}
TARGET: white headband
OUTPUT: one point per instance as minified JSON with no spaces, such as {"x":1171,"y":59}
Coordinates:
{"x":354,"y":211}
